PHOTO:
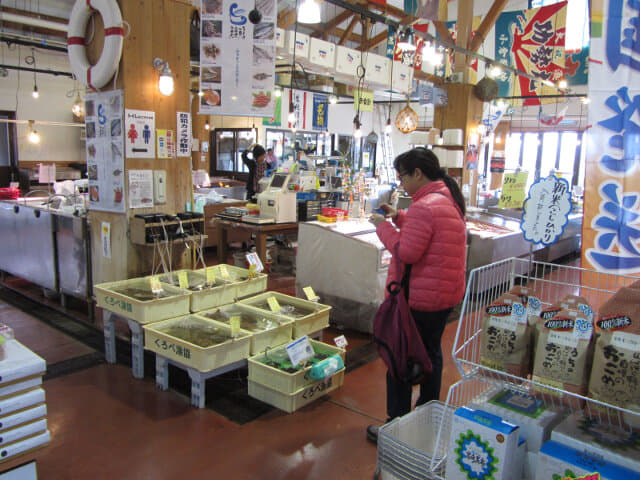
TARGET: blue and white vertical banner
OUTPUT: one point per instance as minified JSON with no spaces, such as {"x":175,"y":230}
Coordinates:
{"x":611,"y":224}
{"x":320,"y":112}
{"x":237,"y":58}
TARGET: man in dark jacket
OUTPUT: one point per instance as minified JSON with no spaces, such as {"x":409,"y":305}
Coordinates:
{"x":257,"y":167}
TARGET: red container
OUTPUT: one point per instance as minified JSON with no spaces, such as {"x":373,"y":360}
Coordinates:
{"x":9,"y":193}
{"x":333,"y":212}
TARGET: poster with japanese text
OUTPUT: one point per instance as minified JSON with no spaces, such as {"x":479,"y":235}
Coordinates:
{"x":298,"y":100}
{"x":104,"y":147}
{"x":320,"y":112}
{"x":183,"y":135}
{"x":140,"y":133}
{"x":140,"y":188}
{"x":237,"y":58}
{"x":531,"y":41}
{"x":166,"y":143}
{"x":611,"y":222}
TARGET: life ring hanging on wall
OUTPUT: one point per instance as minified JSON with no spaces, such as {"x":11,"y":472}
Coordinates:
{"x":98,"y":75}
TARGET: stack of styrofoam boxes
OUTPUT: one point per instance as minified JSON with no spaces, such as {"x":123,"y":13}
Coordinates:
{"x":377,"y":70}
{"x":401,"y":77}
{"x":347,"y":62}
{"x":23,"y":423}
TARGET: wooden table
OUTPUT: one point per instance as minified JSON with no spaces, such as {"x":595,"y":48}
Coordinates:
{"x":261,"y":231}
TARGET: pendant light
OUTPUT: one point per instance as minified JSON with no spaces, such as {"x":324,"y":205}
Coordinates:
{"x":406,"y":40}
{"x":33,"y":136}
{"x":78,"y":107}
{"x":309,"y":12}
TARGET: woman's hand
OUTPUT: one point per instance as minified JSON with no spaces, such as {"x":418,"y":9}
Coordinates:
{"x":376,"y":219}
{"x":389,"y":211}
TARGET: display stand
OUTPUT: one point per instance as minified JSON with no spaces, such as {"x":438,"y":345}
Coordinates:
{"x":137,"y":342}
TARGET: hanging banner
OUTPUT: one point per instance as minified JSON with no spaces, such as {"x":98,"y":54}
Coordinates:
{"x":576,"y":67}
{"x":446,"y":68}
{"x":320,"y":112}
{"x":363,"y":100}
{"x":531,"y":41}
{"x":237,"y":58}
{"x":276,"y":119}
{"x":183,"y":136}
{"x":299,"y":101}
{"x":492,"y":113}
{"x":611,"y":222}
{"x":552,"y":119}
{"x":391,"y":42}
{"x":422,"y":8}
{"x":105,"y":150}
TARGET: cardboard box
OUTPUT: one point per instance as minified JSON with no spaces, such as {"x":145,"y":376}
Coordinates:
{"x":556,"y":460}
{"x":322,"y":53}
{"x":600,"y":440}
{"x":378,"y":69}
{"x":481,"y":443}
{"x":402,"y":75}
{"x":347,"y":61}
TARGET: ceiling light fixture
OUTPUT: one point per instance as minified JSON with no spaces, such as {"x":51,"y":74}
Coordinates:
{"x":495,"y":70}
{"x":165,"y":80}
{"x":207,"y":125}
{"x":78,"y":107}
{"x":277,"y":92}
{"x":35,"y":93}
{"x":33,"y":136}
{"x":292,"y":113}
{"x":309,"y":12}
{"x":357,"y":132}
{"x":563,"y":83}
{"x":388,"y":128}
{"x":406,"y":40}
{"x":333,"y":99}
{"x":585,"y":100}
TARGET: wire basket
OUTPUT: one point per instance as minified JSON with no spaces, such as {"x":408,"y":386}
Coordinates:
{"x":413,"y":447}
{"x":550,"y":283}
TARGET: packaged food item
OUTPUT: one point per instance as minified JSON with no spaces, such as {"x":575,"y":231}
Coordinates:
{"x":581,"y":303}
{"x":616,"y":361}
{"x":483,"y":447}
{"x":564,"y":351}
{"x":506,"y":336}
{"x":533,"y":304}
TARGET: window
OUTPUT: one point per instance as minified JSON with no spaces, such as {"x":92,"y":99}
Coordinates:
{"x":284,"y":143}
{"x":549,"y":153}
{"x":227,"y":146}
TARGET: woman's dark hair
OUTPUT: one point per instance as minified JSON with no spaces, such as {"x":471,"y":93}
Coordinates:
{"x":425,"y":160}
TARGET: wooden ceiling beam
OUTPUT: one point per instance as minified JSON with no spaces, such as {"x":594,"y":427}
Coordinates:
{"x":443,"y":31}
{"x":364,"y":43}
{"x":347,"y":33}
{"x":329,"y":27}
{"x":487,"y":24}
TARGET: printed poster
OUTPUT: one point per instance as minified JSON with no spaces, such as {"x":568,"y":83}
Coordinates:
{"x":513,"y":187}
{"x":276,"y":119}
{"x":299,"y":101}
{"x":531,"y":41}
{"x":140,"y":188}
{"x":183,"y":135}
{"x":237,"y":58}
{"x":320,"y":112}
{"x":140,"y":132}
{"x":166,"y":143}
{"x":104,"y":148}
{"x":611,"y":222}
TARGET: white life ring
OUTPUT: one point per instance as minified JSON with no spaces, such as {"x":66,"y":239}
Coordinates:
{"x":98,"y":75}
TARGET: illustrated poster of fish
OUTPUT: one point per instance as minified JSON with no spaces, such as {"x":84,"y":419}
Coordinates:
{"x":237,"y":58}
{"x":105,"y":150}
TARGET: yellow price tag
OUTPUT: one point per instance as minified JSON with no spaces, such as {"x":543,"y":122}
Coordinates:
{"x":183,"y":280}
{"x":234,"y":323}
{"x":273,"y":304}
{"x":252,"y":271}
{"x":224,"y":273}
{"x":211,"y":275}
{"x":308,"y":291}
{"x":154,"y":283}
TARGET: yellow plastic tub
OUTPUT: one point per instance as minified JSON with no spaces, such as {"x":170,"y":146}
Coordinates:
{"x":282,"y":381}
{"x":244,"y":286}
{"x":204,"y":296}
{"x":190,"y":341}
{"x":269,"y":330}
{"x":310,"y":317}
{"x":133,"y":299}
{"x":290,"y":402}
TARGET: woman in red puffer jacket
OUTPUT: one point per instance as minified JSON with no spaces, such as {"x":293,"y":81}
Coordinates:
{"x":431,"y":236}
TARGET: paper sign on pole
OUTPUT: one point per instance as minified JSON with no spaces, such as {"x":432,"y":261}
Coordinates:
{"x":513,"y":187}
{"x":546,"y":210}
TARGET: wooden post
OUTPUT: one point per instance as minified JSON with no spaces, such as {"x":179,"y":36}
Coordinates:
{"x":156,"y":29}
{"x":464,"y":25}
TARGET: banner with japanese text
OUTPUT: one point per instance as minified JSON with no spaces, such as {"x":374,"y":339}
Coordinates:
{"x":320,"y":112}
{"x":531,"y":41}
{"x":237,"y":58}
{"x":611,"y":222}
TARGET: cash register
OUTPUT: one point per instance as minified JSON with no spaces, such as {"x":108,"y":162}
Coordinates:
{"x":276,"y":202}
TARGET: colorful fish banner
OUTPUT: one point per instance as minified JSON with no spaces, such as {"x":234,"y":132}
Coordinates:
{"x":611,"y":222}
{"x":576,"y":67}
{"x":531,"y":41}
{"x":447,"y":66}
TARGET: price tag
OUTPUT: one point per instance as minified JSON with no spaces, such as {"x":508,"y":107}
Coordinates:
{"x":224,"y":273}
{"x":254,"y":260}
{"x":234,"y":323}
{"x":211,"y":275}
{"x":183,"y":280}
{"x":252,"y":271}
{"x":273,"y":304}
{"x":154,"y":283}
{"x":300,"y":350}
{"x":341,"y":341}
{"x":311,"y":295}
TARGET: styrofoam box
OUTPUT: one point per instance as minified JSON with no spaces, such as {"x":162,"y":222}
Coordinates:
{"x":203,"y":359}
{"x":26,"y":445}
{"x":314,"y":321}
{"x":176,"y":304}
{"x":378,"y":69}
{"x":402,"y":75}
{"x":302,"y":44}
{"x":555,"y":459}
{"x":478,"y":439}
{"x":23,"y":400}
{"x":600,"y":440}
{"x":452,"y":136}
{"x":23,"y":416}
{"x":347,"y":61}
{"x":20,"y":363}
{"x":282,"y":381}
{"x":23,"y":431}
{"x":290,"y":402}
{"x":280,"y":37}
{"x":442,"y":154}
{"x":455,"y":158}
{"x":534,"y":419}
{"x":322,"y":53}
{"x":260,"y":340}
{"x":6,"y":390}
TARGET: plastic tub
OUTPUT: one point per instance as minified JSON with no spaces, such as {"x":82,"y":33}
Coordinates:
{"x":204,"y":296}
